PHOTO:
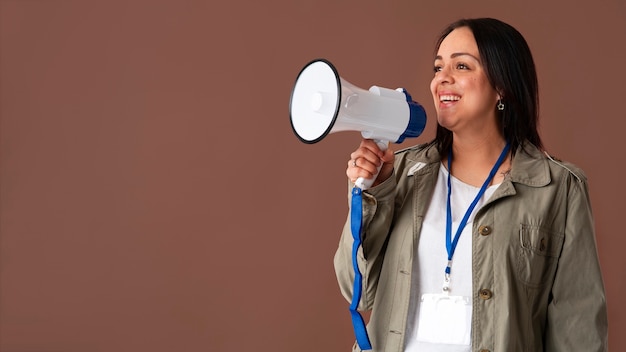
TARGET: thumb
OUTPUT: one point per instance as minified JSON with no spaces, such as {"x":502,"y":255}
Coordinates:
{"x":388,"y":156}
{"x":386,"y":170}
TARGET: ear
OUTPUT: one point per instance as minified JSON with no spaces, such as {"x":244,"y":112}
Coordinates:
{"x":500,"y":94}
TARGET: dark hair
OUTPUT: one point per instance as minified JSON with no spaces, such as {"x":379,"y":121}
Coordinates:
{"x":510,"y":69}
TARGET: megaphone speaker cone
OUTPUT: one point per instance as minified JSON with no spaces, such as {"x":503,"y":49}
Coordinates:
{"x":315,"y":101}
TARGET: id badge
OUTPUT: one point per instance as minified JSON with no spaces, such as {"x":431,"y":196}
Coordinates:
{"x":445,"y":319}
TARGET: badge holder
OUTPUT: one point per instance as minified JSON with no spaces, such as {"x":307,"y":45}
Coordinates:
{"x":449,"y":318}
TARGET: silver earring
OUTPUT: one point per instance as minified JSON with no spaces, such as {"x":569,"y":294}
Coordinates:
{"x":500,"y":105}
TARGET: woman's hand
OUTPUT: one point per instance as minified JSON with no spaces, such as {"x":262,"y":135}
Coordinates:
{"x":365,"y":160}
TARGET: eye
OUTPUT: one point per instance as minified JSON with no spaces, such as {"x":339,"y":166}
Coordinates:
{"x":437,"y":68}
{"x":462,"y":66}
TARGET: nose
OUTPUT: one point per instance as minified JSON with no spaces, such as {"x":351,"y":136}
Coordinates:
{"x":443,"y":76}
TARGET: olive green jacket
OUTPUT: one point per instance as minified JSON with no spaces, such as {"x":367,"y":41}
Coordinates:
{"x":536,"y":274}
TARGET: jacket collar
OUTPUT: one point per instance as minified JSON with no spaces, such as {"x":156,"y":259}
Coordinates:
{"x":529,"y":167}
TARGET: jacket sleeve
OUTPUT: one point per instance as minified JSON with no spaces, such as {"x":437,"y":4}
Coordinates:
{"x":378,"y":211}
{"x":577,"y":315}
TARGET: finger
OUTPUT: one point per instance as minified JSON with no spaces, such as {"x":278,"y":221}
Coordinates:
{"x":366,"y":156}
{"x":372,"y":146}
{"x":361,"y":167}
{"x":366,"y":159}
{"x":355,"y":172}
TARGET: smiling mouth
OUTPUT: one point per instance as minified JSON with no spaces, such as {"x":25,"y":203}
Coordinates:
{"x":449,"y":98}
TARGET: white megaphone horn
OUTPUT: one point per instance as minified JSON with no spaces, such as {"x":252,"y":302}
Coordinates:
{"x":323,"y":103}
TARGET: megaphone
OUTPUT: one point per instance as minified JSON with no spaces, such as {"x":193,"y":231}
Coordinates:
{"x":322,"y":102}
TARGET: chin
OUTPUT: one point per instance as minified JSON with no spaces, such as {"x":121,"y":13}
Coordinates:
{"x":445,"y":122}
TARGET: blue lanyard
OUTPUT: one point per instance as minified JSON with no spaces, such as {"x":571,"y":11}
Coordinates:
{"x":356,"y":219}
{"x":451,"y":244}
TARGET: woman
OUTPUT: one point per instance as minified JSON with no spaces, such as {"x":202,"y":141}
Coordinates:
{"x":477,"y":241}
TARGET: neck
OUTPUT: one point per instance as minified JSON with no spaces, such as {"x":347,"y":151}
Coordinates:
{"x":477,"y":150}
{"x":473,"y":159}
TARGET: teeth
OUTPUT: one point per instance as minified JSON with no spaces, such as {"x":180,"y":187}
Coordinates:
{"x":449,"y":98}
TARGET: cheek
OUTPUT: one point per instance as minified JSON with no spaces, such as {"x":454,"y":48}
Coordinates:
{"x":433,"y":89}
{"x":487,"y":90}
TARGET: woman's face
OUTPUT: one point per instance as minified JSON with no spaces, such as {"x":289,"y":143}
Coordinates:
{"x":463,"y":97}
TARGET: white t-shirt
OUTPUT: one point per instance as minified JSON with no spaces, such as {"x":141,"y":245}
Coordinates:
{"x":430,"y":264}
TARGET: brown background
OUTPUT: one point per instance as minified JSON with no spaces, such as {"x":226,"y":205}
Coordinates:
{"x":154,"y":198}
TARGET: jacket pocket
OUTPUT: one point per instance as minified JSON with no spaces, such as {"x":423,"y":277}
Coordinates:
{"x":538,"y":254}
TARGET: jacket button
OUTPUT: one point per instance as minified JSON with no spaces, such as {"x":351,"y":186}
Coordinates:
{"x":485,"y":294}
{"x":484,"y":230}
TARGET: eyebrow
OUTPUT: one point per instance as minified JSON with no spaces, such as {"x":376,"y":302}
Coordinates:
{"x":455,"y":55}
